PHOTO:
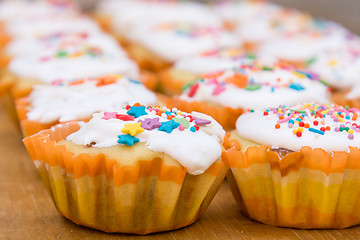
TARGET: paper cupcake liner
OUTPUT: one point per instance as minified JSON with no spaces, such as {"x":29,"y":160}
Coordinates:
{"x":149,"y":79}
{"x":6,"y":100}
{"x":4,"y":60}
{"x":308,"y":189}
{"x":101,"y":193}
{"x":103,"y":20}
{"x":226,"y":116}
{"x":173,"y":80}
{"x":339,"y":97}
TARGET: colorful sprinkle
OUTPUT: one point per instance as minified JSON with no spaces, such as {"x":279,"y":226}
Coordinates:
{"x":132,"y":128}
{"x":127,"y":140}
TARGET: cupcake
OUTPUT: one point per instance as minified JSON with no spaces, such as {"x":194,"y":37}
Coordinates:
{"x":340,"y":67}
{"x":157,"y":46}
{"x":121,"y":17}
{"x":48,"y":105}
{"x":135,"y":170}
{"x":94,"y":56}
{"x":188,"y":69}
{"x":298,"y":166}
{"x":226,"y":95}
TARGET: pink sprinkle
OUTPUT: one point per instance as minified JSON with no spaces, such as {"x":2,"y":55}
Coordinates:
{"x":357,"y":130}
{"x":218,"y":89}
{"x":286,"y":119}
{"x":351,"y":137}
{"x":181,"y":127}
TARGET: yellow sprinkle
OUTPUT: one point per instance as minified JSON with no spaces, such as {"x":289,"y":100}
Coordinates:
{"x":179,"y":113}
{"x":332,"y":63}
{"x":299,"y":75}
{"x":351,"y":131}
{"x":301,"y":129}
{"x":295,"y":131}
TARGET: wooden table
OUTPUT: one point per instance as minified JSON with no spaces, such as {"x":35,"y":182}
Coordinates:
{"x":27,"y":211}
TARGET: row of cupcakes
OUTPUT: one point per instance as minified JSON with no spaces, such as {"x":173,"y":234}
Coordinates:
{"x":155,"y":168}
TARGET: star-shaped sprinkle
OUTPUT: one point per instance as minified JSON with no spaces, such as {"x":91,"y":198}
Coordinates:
{"x":200,"y":121}
{"x":168,"y":126}
{"x":127,"y":140}
{"x":132,"y":128}
{"x":137,"y":111}
{"x":125,"y":117}
{"x":150,"y":123}
{"x":182,"y":121}
{"x":108,"y":115}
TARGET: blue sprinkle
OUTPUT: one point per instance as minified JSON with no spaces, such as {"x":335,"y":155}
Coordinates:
{"x":291,"y":121}
{"x":347,"y":117}
{"x":316,"y":131}
{"x":193,"y":129}
{"x":134,"y":81}
{"x":298,"y":119}
{"x":127,"y":139}
{"x":296,"y":86}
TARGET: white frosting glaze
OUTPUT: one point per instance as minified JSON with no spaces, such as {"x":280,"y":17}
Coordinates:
{"x":274,"y":89}
{"x":261,"y":129}
{"x":46,"y":67}
{"x":49,"y":103}
{"x":125,"y":13}
{"x":219,"y":60}
{"x":196,"y":151}
{"x":173,"y":41}
{"x":340,"y":68}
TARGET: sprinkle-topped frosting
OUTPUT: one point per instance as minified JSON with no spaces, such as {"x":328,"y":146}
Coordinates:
{"x":78,"y":100}
{"x":191,"y":139}
{"x":340,"y":68}
{"x":219,"y":60}
{"x":94,"y":56}
{"x":254,"y":86}
{"x":125,"y":14}
{"x":330,"y":127}
{"x":175,"y":40}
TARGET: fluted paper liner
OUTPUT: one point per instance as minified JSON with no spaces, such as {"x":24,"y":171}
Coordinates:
{"x":306,"y":189}
{"x":226,"y":116}
{"x":339,"y":97}
{"x":101,"y":193}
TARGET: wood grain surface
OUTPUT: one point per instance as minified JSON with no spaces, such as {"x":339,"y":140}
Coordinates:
{"x":27,"y":211}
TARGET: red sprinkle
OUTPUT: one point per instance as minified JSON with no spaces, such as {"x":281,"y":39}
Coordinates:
{"x":323,"y":129}
{"x":193,"y":90}
{"x":125,"y":117}
{"x":298,"y":134}
{"x":316,"y":123}
{"x":197,"y":127}
{"x":128,"y":107}
{"x":266,"y":113}
{"x":301,"y":124}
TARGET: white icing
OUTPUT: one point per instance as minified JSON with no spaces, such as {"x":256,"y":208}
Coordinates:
{"x":172,"y":45}
{"x":201,"y":64}
{"x":196,"y":151}
{"x":273,"y":92}
{"x":49,"y":103}
{"x":261,"y":129}
{"x":112,"y":60}
{"x":340,"y":68}
{"x":127,"y":15}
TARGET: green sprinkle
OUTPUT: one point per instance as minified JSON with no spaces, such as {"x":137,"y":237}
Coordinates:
{"x":182,"y":121}
{"x":265,"y":68}
{"x":252,"y":110}
{"x":61,"y":54}
{"x":251,"y":56}
{"x":252,"y":87}
{"x":324,"y":83}
{"x":299,"y":111}
{"x":311,"y":61}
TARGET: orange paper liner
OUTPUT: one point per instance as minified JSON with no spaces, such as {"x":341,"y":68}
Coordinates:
{"x":339,"y":97}
{"x":226,"y":116}
{"x":101,"y":193}
{"x":308,"y":189}
{"x":172,"y":81}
